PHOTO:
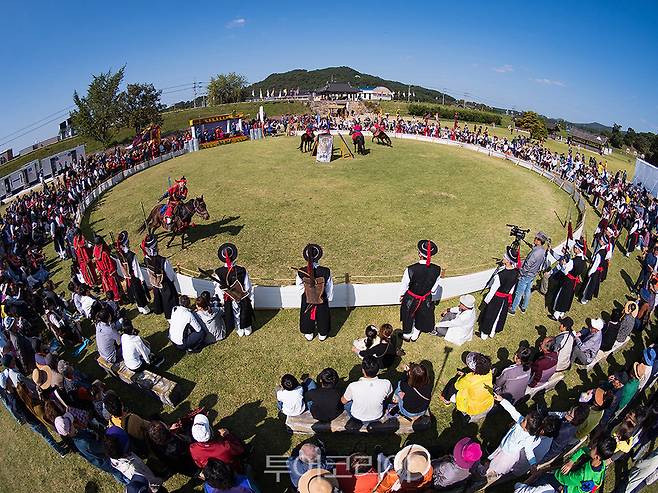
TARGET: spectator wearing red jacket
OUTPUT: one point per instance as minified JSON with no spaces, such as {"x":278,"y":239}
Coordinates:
{"x":226,"y":447}
{"x":543,"y":368}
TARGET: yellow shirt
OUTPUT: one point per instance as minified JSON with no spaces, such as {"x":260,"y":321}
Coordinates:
{"x":472,"y":396}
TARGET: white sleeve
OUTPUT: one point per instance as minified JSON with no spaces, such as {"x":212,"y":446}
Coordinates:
{"x":218,"y":291}
{"x":144,"y":350}
{"x":566,"y":268}
{"x":169,"y":270}
{"x":299,"y":283}
{"x":137,"y":269}
{"x":435,"y":288}
{"x":194,"y":322}
{"x":329,"y":288}
{"x":248,"y":287}
{"x":404,"y":284}
{"x":595,"y":265}
{"x":492,"y":291}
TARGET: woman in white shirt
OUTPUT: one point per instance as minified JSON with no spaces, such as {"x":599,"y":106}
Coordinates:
{"x":136,"y":353}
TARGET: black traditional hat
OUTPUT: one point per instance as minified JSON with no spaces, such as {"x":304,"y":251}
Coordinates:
{"x":312,"y":252}
{"x":511,"y":254}
{"x":579,"y":244}
{"x":227,"y":250}
{"x":422,"y":248}
{"x":150,"y":244}
{"x":122,"y":238}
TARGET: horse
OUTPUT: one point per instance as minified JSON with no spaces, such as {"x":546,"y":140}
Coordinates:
{"x":381,"y":137}
{"x":306,"y":142}
{"x":180,"y":220}
{"x":359,"y":143}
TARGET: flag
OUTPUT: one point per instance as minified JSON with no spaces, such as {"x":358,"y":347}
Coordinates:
{"x":279,"y":92}
{"x":569,"y":232}
{"x":261,"y":93}
{"x":267,"y":93}
{"x":285,"y":92}
{"x":252,"y":93}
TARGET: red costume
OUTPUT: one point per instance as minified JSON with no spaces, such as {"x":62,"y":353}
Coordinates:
{"x":356,"y":132}
{"x":175,"y":194}
{"x":108,"y":270}
{"x":83,"y":254}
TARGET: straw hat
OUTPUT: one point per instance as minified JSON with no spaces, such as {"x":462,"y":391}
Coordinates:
{"x":317,"y":481}
{"x":631,"y":308}
{"x":43,"y":377}
{"x":412,"y":462}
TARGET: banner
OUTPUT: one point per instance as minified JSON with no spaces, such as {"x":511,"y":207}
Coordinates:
{"x":325,"y":148}
{"x":646,"y":175}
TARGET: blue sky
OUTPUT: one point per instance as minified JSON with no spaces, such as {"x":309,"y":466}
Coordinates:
{"x":583,"y":61}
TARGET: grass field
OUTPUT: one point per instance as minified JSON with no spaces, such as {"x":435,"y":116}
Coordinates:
{"x":236,"y":377}
{"x":367,"y":213}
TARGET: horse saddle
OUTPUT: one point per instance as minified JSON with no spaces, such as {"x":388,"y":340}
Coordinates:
{"x":313,"y":289}
{"x":236,"y":291}
{"x":163,"y":208}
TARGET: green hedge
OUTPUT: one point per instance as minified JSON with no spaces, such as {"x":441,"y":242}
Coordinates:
{"x":448,"y":113}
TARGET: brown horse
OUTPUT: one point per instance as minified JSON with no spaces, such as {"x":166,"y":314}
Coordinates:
{"x":306,"y":143}
{"x":180,"y":220}
{"x":381,"y":137}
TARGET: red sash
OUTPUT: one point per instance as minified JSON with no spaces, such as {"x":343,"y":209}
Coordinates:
{"x":574,"y":279}
{"x":507,"y":296}
{"x":419,"y":299}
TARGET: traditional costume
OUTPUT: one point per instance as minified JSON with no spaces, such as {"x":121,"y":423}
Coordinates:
{"x":235,"y":289}
{"x":83,"y":253}
{"x":135,"y":283}
{"x":317,"y":289}
{"x":174,"y":195}
{"x":107,"y":268}
{"x":420,"y":282}
{"x":591,"y":288}
{"x":634,"y":235}
{"x":572,"y":271}
{"x":161,"y":277}
{"x":499,"y":298}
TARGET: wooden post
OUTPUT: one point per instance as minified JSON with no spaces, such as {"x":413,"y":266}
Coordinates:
{"x":347,"y":281}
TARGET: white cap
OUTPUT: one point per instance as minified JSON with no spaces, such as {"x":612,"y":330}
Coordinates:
{"x":467,"y":300}
{"x":201,"y":428}
{"x":597,"y":323}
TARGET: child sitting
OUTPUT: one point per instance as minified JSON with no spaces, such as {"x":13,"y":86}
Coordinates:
{"x":290,"y":396}
{"x":371,"y":339}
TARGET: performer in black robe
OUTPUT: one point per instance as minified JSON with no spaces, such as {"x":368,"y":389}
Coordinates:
{"x":317,"y":289}
{"x":420,"y":282}
{"x":499,"y":298}
{"x":591,"y":288}
{"x":161,"y":277}
{"x":133,"y":277}
{"x":236,"y":291}
{"x":572,"y":269}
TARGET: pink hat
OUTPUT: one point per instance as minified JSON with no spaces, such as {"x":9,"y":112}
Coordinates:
{"x":467,"y":452}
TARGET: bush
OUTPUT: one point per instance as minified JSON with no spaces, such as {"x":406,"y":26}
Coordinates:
{"x":448,"y":113}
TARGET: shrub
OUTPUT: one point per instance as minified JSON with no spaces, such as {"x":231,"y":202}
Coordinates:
{"x":448,"y":112}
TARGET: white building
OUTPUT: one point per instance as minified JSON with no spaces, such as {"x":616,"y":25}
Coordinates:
{"x":379,"y":93}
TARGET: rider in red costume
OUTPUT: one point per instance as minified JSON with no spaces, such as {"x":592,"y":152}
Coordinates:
{"x":356,"y":131}
{"x":175,"y":194}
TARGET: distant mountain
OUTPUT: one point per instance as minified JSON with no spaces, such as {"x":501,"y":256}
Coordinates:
{"x":309,"y":80}
{"x":594,"y":127}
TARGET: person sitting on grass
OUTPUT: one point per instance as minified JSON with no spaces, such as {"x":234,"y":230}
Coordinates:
{"x":126,"y":462}
{"x":588,"y":343}
{"x":457,"y":323}
{"x":324,"y":401}
{"x":304,"y":458}
{"x":544,"y":365}
{"x":471,"y":391}
{"x":225,"y":446}
{"x":220,"y":478}
{"x":624,"y":389}
{"x":513,"y":380}
{"x":566,"y":438}
{"x":413,"y":393}
{"x":357,"y":474}
{"x":210,"y":314}
{"x":385,"y":350}
{"x":290,"y":396}
{"x":185,"y":330}
{"x":136,"y":353}
{"x":371,"y":339}
{"x":134,"y":425}
{"x":364,"y":399}
{"x":411,"y":471}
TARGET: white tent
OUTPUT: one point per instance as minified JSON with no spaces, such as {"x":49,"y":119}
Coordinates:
{"x":647,"y":175}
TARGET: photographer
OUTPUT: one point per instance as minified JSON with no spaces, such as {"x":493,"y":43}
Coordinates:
{"x":531,"y":266}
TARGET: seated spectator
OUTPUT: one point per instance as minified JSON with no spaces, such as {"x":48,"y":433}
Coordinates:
{"x":544,"y":365}
{"x":211,"y":317}
{"x":134,"y":425}
{"x":513,"y":380}
{"x":624,"y":388}
{"x":566,"y":437}
{"x":522,"y":436}
{"x":411,"y":471}
{"x":290,"y":395}
{"x":185,"y":331}
{"x":225,"y":446}
{"x":471,"y":391}
{"x":318,"y":481}
{"x":324,"y":401}
{"x":642,"y":369}
{"x":549,"y":430}
{"x":108,"y":339}
{"x":385,"y":350}
{"x":305,"y":458}
{"x":135,"y":351}
{"x":364,"y":399}
{"x":458,"y":467}
{"x":599,"y":400}
{"x":563,"y":344}
{"x":641,"y":475}
{"x":88,"y":304}
{"x":371,"y":339}
{"x":627,"y":323}
{"x":588,"y":343}
{"x":646,"y":305}
{"x":127,"y":463}
{"x":357,"y":475}
{"x":171,"y":449}
{"x":457,"y":323}
{"x":413,"y":393}
{"x":220,"y":478}
{"x":611,"y":330}
{"x":46,"y":378}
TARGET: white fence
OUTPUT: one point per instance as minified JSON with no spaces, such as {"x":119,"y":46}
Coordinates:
{"x":350,"y":294}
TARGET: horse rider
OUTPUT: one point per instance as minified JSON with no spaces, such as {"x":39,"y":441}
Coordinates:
{"x":174,"y":195}
{"x":356,"y":132}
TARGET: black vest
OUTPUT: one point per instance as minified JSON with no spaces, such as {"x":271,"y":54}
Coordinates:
{"x":422,"y":278}
{"x":508,"y":278}
{"x":579,"y":266}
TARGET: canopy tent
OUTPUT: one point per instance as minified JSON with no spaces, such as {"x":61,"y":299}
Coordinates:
{"x":646,"y":175}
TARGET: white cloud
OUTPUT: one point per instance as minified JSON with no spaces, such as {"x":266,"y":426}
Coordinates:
{"x":239,"y":22}
{"x":550,"y":82}
{"x":503,"y":69}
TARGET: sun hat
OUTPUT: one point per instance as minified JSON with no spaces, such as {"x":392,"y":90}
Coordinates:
{"x":64,"y":424}
{"x":631,"y":308}
{"x":317,"y":481}
{"x":649,"y":356}
{"x":597,"y":323}
{"x":466,"y":452}
{"x":201,"y":428}
{"x":467,"y":300}
{"x":43,"y":376}
{"x":412,"y":462}
{"x":599,"y":396}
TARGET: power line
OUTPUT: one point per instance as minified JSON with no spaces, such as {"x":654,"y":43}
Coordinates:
{"x":65,"y":110}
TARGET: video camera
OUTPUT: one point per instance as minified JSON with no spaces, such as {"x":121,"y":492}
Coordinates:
{"x":517,"y":232}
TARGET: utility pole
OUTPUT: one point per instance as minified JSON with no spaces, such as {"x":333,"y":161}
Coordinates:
{"x":408,"y":93}
{"x":194,"y":86}
{"x":443,"y":98}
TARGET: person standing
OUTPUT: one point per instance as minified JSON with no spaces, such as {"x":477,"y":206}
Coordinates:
{"x":591,"y":288}
{"x":161,"y":277}
{"x":499,"y":298}
{"x":572,"y":269}
{"x":132,"y":274}
{"x":107,"y":267}
{"x":83,"y":253}
{"x":420,"y":282}
{"x":532,"y":264}
{"x":235,"y":288}
{"x":317,"y":289}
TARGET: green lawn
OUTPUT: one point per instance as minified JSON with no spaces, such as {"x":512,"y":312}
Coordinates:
{"x":367,"y":213}
{"x":235,"y":378}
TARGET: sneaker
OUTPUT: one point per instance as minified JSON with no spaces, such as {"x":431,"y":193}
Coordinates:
{"x":406,"y":337}
{"x":322,"y":338}
{"x":240,"y":332}
{"x":511,"y":312}
{"x":144,"y":310}
{"x":309,"y":337}
{"x":584,"y":302}
{"x":484,"y":337}
{"x":247,"y":332}
{"x":522,"y":310}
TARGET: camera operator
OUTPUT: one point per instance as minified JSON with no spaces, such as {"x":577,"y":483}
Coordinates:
{"x":532,"y":265}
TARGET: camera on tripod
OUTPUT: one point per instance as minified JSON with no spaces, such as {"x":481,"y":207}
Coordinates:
{"x":517,"y":232}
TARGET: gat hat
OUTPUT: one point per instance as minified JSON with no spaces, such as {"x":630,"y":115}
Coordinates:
{"x":467,"y":300}
{"x":511,"y":254}
{"x":150,"y":244}
{"x":122,"y":238}
{"x":466,"y":453}
{"x":597,"y":323}
{"x":312,"y":252}
{"x":227,"y":250}
{"x":43,"y":376}
{"x":423,"y":245}
{"x":631,"y":308}
{"x":649,"y":356}
{"x":64,"y":424}
{"x":567,"y":322}
{"x":317,"y":481}
{"x":541,"y":236}
{"x":201,"y":428}
{"x":412,"y":462}
{"x":579,"y":244}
